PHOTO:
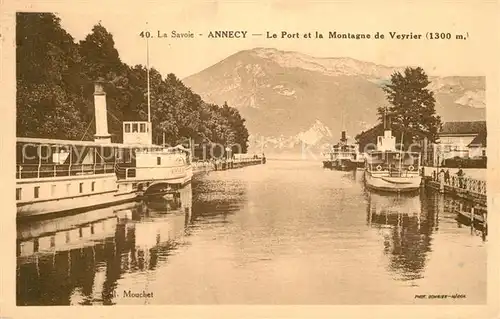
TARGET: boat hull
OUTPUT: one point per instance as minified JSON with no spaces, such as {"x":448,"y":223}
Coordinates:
{"x":71,"y":204}
{"x":70,"y":194}
{"x":358,"y":164}
{"x":392,"y":184}
{"x":344,"y":165}
{"x":179,"y":175}
{"x":327,"y":164}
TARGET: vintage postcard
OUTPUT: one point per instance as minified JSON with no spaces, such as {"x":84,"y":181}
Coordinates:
{"x":250,"y":158}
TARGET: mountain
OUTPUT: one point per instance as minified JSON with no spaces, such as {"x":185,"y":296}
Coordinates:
{"x":290,"y":98}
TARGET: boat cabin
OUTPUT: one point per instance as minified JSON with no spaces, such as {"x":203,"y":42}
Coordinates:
{"x":394,"y":162}
{"x":38,"y":158}
{"x":137,"y":132}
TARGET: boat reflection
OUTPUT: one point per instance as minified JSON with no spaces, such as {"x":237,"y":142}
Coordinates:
{"x":406,"y":228}
{"x":79,"y":259}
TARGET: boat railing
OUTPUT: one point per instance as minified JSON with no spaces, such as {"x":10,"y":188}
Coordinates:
{"x":57,"y":170}
{"x":394,"y":171}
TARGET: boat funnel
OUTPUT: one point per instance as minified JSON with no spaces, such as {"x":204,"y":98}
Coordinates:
{"x":101,"y":114}
{"x":343,"y":137}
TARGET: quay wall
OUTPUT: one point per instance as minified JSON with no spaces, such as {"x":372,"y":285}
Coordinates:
{"x":206,"y":166}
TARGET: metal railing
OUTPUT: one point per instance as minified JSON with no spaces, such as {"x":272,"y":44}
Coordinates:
{"x":466,"y":183}
{"x":55,"y":170}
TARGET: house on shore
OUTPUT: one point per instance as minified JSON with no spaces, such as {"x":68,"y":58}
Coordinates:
{"x":477,"y":148}
{"x":466,"y":139}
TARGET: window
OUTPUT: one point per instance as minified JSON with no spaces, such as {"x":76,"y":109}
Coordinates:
{"x":37,"y":191}
{"x":92,"y":187}
{"x":142,"y":127}
{"x":127,"y":128}
{"x":18,"y":193}
{"x":484,"y":152}
{"x":53,"y":190}
{"x":134,"y":127}
{"x":81,"y":187}
{"x":158,"y":160}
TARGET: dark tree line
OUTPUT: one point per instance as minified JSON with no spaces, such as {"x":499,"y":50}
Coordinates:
{"x":55,"y":85}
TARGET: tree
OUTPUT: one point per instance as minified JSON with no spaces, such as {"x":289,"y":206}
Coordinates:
{"x":55,"y":86}
{"x":100,"y":57}
{"x":412,"y":105}
{"x":48,"y":104}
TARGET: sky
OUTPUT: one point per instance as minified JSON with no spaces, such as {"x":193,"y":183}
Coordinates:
{"x":125,"y":20}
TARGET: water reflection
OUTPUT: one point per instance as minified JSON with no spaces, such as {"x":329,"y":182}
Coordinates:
{"x":79,"y":259}
{"x":406,"y":227}
{"x":257,"y":235}
{"x":215,"y":198}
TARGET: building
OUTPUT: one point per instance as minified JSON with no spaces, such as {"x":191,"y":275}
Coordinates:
{"x":477,"y":148}
{"x":462,"y":140}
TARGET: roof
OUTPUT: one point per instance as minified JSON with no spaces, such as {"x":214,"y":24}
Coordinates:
{"x":479,"y":140}
{"x":465,"y":127}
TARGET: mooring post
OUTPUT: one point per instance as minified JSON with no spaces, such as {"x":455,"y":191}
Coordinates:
{"x":485,"y":223}
{"x":441,"y":182}
{"x":472,"y":218}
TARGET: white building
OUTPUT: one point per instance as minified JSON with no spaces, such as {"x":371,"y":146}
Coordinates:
{"x":462,"y":139}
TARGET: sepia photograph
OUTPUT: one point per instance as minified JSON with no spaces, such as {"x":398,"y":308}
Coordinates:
{"x":252,"y":153}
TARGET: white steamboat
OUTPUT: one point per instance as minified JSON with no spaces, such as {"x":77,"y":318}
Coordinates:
{"x":392,"y":170}
{"x":56,"y":176}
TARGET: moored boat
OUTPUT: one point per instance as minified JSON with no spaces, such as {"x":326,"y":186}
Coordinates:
{"x":56,"y":176}
{"x":392,"y":170}
{"x":342,"y":156}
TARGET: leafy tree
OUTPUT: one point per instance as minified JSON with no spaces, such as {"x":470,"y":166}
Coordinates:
{"x":100,"y":57}
{"x":55,"y":85}
{"x":48,"y":102}
{"x":412,"y":105}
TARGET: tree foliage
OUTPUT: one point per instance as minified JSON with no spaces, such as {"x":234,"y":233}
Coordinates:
{"x":55,"y":85}
{"x":411,"y":105}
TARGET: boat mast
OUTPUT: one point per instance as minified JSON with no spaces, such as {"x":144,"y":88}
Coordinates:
{"x":401,"y":153}
{"x":385,"y":114}
{"x":147,"y":74}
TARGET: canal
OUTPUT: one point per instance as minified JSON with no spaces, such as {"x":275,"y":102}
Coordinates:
{"x":288,"y":232}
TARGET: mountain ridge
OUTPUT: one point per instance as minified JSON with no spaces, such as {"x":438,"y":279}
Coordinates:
{"x":285,"y":93}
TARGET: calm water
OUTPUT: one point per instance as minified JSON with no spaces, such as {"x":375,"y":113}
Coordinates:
{"x":280,"y":233}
